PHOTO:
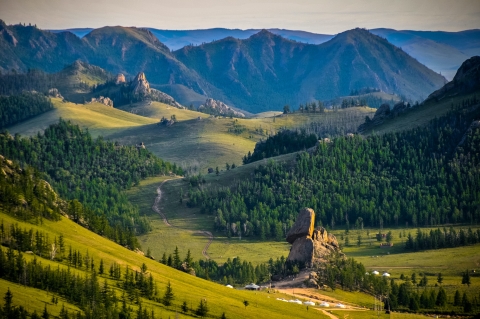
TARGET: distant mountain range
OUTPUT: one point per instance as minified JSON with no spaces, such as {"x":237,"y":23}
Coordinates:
{"x":260,"y":73}
{"x":441,"y":51}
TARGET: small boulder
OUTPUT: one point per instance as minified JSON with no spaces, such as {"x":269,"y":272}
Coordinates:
{"x":303,"y":226}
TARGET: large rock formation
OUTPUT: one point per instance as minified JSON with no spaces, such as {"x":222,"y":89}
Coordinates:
{"x":140,"y":85}
{"x":140,"y":89}
{"x":310,"y":246}
{"x":216,"y":107}
{"x":303,"y":226}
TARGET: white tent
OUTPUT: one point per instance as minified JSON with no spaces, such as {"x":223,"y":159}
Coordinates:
{"x":324,"y":304}
{"x":228,"y":286}
{"x":339,"y":305}
{"x":386,"y":274}
{"x":375,"y":272}
{"x":309,"y":303}
{"x":252,"y":286}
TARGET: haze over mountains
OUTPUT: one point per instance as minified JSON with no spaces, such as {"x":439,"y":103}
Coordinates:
{"x":262,"y":72}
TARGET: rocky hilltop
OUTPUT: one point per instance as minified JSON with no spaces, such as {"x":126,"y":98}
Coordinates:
{"x":140,"y":89}
{"x":310,"y":246}
{"x":216,"y":107}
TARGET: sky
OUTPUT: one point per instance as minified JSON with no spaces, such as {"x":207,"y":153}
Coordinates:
{"x":319,"y":16}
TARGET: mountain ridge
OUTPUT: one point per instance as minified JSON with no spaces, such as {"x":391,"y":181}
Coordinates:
{"x":263,"y":72}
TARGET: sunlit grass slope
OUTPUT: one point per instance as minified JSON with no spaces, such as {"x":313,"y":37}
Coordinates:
{"x":34,"y":299}
{"x":418,"y":117}
{"x":185,"y":287}
{"x":211,"y":141}
{"x":98,"y":118}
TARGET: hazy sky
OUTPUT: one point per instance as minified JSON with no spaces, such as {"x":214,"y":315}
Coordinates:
{"x":318,"y":16}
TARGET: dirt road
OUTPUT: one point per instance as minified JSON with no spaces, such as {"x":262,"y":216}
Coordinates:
{"x":157,"y":209}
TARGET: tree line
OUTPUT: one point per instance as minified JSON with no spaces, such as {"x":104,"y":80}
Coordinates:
{"x":17,"y":108}
{"x":92,"y":174}
{"x":442,"y":238}
{"x":424,"y":176}
{"x":285,"y":141}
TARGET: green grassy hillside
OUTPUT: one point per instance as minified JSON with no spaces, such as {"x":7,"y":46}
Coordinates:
{"x":419,"y":116}
{"x":185,"y":287}
{"x":98,"y":118}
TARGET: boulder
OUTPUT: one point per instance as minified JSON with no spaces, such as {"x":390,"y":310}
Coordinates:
{"x":303,"y":226}
{"x":302,"y":250}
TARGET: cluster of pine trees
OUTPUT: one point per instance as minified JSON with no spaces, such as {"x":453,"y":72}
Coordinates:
{"x":17,"y":108}
{"x":313,"y":107}
{"x":442,"y":238}
{"x":285,"y":141}
{"x":233,"y":271}
{"x":92,"y":174}
{"x":94,"y":298}
{"x":425,"y":176}
{"x":24,"y":195}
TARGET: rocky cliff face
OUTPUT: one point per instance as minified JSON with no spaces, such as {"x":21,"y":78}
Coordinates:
{"x":310,"y":246}
{"x":218,"y":108}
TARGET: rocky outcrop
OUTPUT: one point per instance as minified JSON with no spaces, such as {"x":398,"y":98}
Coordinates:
{"x":303,"y":226}
{"x":120,"y":78}
{"x":216,"y":107}
{"x":310,"y":246}
{"x":383,"y":113}
{"x":141,"y":90}
{"x":140,"y":85}
{"x":466,"y":80}
{"x":103,"y":100}
{"x":53,"y":92}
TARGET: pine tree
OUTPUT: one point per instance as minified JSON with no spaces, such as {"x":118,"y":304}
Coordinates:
{"x":100,"y":268}
{"x":184,"y":307}
{"x":202,"y":309}
{"x":7,"y":308}
{"x":176,"y":258}
{"x":466,"y":278}
{"x":457,"y":300}
{"x":169,"y":296}
{"x":440,"y":278}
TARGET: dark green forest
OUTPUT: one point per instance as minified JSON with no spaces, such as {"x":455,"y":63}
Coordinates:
{"x":17,"y":108}
{"x":92,"y":174}
{"x":421,"y":177}
{"x":283,"y":142}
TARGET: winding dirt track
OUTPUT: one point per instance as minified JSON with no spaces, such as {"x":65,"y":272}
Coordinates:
{"x":156,"y":209}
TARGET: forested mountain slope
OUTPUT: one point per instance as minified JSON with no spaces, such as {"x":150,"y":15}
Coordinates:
{"x":92,"y":173}
{"x":423,"y":176}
